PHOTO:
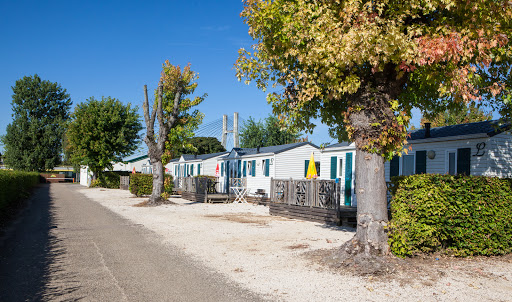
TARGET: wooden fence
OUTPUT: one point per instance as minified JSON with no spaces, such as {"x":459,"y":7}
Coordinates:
{"x":199,"y":185}
{"x":312,"y":200}
{"x":307,"y":193}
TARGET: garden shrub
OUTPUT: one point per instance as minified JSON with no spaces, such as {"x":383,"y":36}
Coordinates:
{"x":142,"y":184}
{"x":206,"y":176}
{"x":109,"y":179}
{"x":457,"y":215}
{"x":15,"y":186}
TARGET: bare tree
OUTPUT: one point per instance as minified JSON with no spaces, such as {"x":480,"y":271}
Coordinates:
{"x":171,"y":109}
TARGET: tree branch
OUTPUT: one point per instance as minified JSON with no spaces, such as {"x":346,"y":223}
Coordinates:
{"x":150,"y":120}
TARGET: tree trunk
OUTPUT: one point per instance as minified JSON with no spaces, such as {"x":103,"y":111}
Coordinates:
{"x":372,"y":214}
{"x":370,"y":118}
{"x":158,"y":183}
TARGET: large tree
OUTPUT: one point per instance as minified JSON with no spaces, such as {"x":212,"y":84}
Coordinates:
{"x":458,"y":115}
{"x":362,"y":66}
{"x":255,"y":134}
{"x":33,"y":141}
{"x":102,"y":132}
{"x":206,"y":145}
{"x":172,"y":110}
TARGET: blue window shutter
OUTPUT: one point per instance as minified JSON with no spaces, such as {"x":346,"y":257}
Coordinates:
{"x":245,"y":169}
{"x":267,"y":167}
{"x":421,"y":162}
{"x":221,"y":169}
{"x":239,"y":170}
{"x":192,"y":169}
{"x":334,"y":166}
{"x":253,"y":168}
{"x":348,"y":180}
{"x":198,"y":169}
{"x":394,"y":166}
{"x":306,"y":164}
{"x":464,"y":161}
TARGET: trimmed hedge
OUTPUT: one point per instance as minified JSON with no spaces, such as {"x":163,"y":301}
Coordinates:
{"x":109,"y":180}
{"x":142,"y":184}
{"x":15,"y":186}
{"x":457,"y":215}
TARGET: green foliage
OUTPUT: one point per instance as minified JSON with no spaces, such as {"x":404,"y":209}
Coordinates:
{"x":33,"y":141}
{"x":361,"y":67}
{"x":458,"y":215}
{"x":269,"y":133}
{"x":142,"y":184}
{"x":15,"y":186}
{"x":206,"y":145}
{"x":456,"y":116}
{"x":109,"y":179}
{"x":102,"y":132}
{"x":178,"y":83}
{"x":206,"y":176}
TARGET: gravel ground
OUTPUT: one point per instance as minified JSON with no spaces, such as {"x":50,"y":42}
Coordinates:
{"x":272,"y":255}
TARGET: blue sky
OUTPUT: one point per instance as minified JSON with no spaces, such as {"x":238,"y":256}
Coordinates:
{"x":113,"y":48}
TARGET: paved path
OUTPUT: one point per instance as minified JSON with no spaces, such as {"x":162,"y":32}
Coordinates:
{"x":66,"y":247}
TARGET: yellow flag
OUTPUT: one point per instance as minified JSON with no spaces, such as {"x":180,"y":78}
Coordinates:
{"x":311,"y":168}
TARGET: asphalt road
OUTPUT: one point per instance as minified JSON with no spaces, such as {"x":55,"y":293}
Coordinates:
{"x":65,"y":247}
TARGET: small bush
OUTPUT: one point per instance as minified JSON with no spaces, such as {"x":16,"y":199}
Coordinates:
{"x":109,"y":180}
{"x":206,"y":176}
{"x":458,"y":215}
{"x":15,"y":186}
{"x":142,"y":184}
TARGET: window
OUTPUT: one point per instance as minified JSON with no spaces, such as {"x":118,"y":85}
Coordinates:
{"x":265,"y":167}
{"x":317,"y":166}
{"x":458,"y":161}
{"x":451,"y":163}
{"x":407,"y":164}
{"x":340,"y":168}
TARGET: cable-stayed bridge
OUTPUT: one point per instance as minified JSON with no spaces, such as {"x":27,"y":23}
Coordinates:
{"x":216,"y":128}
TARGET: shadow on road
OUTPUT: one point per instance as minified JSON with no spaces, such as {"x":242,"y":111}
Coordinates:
{"x":31,"y":256}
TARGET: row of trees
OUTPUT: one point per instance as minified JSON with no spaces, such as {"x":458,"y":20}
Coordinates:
{"x":99,"y":132}
{"x":96,"y":133}
{"x":269,"y":132}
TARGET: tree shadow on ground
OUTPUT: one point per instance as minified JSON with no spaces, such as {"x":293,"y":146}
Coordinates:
{"x":31,"y":255}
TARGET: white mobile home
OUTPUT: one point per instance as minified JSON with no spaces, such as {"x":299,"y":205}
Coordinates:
{"x":338,"y":162}
{"x":259,"y":165}
{"x":140,"y":163}
{"x":482,"y":148}
{"x":192,"y":165}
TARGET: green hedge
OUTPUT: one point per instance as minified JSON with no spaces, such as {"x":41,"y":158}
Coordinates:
{"x":457,"y":215}
{"x":15,"y":186}
{"x":142,"y":184}
{"x":108,"y":179}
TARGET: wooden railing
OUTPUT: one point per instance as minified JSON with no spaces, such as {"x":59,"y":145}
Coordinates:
{"x":310,"y":193}
{"x":198,"y":185}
